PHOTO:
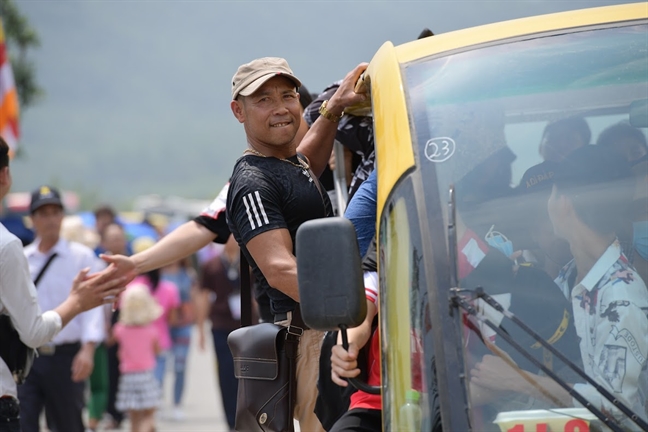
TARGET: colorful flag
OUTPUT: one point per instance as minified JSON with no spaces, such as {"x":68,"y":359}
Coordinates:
{"x":8,"y":99}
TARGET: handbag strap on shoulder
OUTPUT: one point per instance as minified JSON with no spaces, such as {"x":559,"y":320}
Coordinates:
{"x":42,"y":270}
{"x":314,"y":178}
{"x":246,"y":292}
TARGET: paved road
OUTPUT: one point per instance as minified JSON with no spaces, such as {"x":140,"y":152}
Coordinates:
{"x":202,"y":405}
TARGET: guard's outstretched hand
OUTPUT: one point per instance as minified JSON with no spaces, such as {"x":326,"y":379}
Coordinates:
{"x":90,"y":291}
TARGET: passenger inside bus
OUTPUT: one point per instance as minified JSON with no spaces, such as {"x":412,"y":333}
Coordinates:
{"x":591,"y":192}
{"x":524,"y":290}
{"x":533,"y":233}
{"x":562,"y":137}
{"x":631,"y":143}
{"x":529,"y":224}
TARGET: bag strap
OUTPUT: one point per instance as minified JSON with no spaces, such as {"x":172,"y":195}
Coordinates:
{"x":246,"y":292}
{"x":292,"y":347}
{"x":315,"y":179}
{"x":42,"y":270}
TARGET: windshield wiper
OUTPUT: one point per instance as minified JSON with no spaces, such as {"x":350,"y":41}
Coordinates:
{"x":609,"y":421}
{"x":457,"y":301}
{"x":602,"y":390}
{"x":454,"y":283}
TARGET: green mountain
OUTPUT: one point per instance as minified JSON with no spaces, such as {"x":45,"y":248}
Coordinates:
{"x":138,"y":92}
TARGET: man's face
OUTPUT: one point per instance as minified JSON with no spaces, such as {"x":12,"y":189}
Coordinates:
{"x":47,"y":221}
{"x":271,"y":115}
{"x":102,"y":221}
{"x":630,"y":148}
{"x":114,"y":239}
{"x":557,"y":145}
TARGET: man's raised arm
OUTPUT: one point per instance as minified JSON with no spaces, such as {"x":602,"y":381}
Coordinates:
{"x":317,"y":144}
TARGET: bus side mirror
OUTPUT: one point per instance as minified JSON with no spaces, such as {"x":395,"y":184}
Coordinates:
{"x":329,"y":272}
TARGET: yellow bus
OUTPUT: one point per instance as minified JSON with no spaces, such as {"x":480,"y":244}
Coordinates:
{"x":469,"y":128}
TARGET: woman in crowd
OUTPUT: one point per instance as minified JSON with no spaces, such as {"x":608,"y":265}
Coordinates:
{"x":183,"y":275}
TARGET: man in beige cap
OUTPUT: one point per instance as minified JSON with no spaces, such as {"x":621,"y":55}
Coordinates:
{"x":274,"y":188}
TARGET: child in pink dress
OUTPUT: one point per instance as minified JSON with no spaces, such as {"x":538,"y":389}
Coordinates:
{"x":139,"y":391}
{"x":166,"y":294}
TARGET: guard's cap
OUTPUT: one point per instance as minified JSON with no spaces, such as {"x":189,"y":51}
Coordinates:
{"x":45,"y":195}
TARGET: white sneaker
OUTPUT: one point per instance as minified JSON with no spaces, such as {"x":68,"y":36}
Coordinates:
{"x":177,"y":414}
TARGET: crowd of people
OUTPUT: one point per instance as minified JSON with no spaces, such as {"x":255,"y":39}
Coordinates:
{"x":283,"y":179}
{"x":120,"y":350}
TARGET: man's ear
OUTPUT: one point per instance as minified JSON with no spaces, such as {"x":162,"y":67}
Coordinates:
{"x":4,"y":175}
{"x":237,"y":110}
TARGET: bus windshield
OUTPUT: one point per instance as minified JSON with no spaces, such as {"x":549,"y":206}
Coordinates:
{"x":544,"y":141}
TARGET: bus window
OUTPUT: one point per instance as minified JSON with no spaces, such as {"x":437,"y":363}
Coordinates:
{"x":550,"y":177}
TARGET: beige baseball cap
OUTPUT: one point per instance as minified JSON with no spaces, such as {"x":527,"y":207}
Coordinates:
{"x":250,"y":76}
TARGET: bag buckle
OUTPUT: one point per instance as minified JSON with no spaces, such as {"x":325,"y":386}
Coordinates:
{"x":295,"y":331}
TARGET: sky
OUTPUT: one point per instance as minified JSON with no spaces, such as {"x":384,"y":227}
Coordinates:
{"x":137,"y":93}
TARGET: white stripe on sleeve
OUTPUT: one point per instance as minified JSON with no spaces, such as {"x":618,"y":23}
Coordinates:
{"x":247,"y":209}
{"x":263,"y":213}
{"x":250,"y":198}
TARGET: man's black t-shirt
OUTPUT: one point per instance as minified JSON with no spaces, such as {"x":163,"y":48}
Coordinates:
{"x":267,"y":193}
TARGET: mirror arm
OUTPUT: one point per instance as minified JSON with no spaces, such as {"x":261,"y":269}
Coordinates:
{"x":360,"y":385}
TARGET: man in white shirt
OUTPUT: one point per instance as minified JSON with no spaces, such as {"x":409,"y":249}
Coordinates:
{"x":610,"y":301}
{"x":57,"y":379}
{"x":18,"y":301}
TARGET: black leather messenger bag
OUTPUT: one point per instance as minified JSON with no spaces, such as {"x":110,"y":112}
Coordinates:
{"x":265,"y":362}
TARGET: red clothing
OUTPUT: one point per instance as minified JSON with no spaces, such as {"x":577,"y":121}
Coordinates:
{"x":471,"y":251}
{"x":361,"y":399}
